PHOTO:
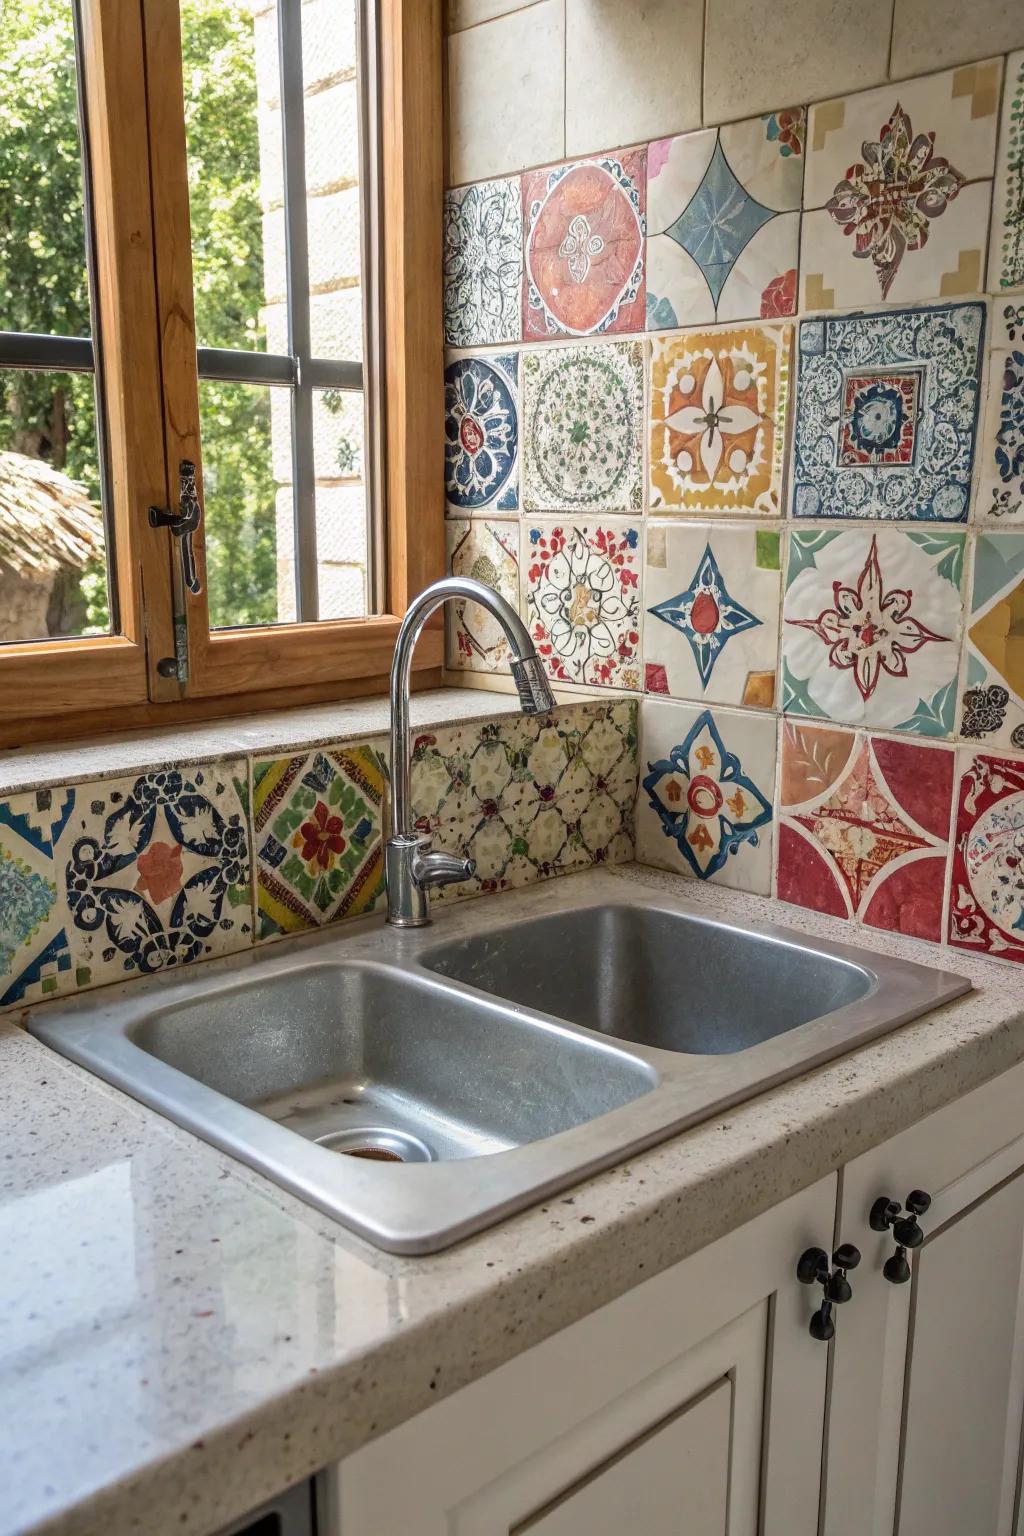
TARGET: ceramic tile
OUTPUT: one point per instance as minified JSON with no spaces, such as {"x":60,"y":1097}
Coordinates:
{"x":723,"y":222}
{"x":707,"y":784}
{"x":317,"y":834}
{"x":886,"y":415}
{"x":1001,"y":482}
{"x":871,"y":627}
{"x":799,"y":50}
{"x":582,"y":419}
{"x":156,"y":871}
{"x":35,"y":960}
{"x":718,"y":420}
{"x":483,"y":263}
{"x":711,"y":622}
{"x":492,"y":70}
{"x":630,"y":71}
{"x":890,"y":171}
{"x":481,"y":434}
{"x":1006,"y":259}
{"x":986,"y":905}
{"x":515,"y":846}
{"x":460,"y":14}
{"x":992,"y":706}
{"x":864,"y":827}
{"x":930,"y":34}
{"x":488,"y":552}
{"x":582,"y":587}
{"x":583,"y":243}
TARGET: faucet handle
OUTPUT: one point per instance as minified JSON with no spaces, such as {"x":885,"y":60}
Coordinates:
{"x":441,"y":868}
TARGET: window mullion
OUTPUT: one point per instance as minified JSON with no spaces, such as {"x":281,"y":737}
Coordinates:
{"x":307,"y":594}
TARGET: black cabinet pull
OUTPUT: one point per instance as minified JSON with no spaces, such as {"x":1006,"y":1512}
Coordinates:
{"x":906,"y":1229}
{"x":813,"y":1268}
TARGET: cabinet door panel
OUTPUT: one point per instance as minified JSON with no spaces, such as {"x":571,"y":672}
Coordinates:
{"x":955,"y":1476}
{"x":675,"y":1479}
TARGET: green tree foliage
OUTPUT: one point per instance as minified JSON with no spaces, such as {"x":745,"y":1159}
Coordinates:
{"x":44,"y":286}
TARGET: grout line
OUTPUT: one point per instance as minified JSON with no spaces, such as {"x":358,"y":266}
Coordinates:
{"x":892,"y":38}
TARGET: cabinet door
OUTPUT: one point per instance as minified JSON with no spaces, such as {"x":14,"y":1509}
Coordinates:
{"x":928,"y":1377}
{"x":694,"y":1403}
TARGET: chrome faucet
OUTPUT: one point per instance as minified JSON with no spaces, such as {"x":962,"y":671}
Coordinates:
{"x":410,"y":864}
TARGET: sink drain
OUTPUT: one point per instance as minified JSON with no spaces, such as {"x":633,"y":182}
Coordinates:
{"x":377,"y":1146}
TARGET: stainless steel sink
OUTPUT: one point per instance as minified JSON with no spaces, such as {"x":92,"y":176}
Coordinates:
{"x":470,"y":1070}
{"x":390,"y":1066}
{"x":662,"y":978}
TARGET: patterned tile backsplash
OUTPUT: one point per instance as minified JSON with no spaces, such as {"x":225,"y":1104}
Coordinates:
{"x":779,"y":491}
{"x":126,"y":877}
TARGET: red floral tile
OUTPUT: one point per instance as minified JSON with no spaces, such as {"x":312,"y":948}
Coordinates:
{"x":864,"y":827}
{"x":986,"y":905}
{"x":584,"y":237}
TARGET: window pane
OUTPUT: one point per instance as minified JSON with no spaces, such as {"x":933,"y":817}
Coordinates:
{"x":333,"y":214}
{"x":250,"y":562}
{"x":340,"y":503}
{"x":233,"y":132}
{"x":44,"y":284}
{"x":53,"y":569}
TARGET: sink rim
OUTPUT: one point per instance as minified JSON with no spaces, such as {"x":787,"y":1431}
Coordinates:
{"x":407,"y":1215}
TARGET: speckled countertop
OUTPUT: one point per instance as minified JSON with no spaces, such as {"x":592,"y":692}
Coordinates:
{"x":179,"y":1340}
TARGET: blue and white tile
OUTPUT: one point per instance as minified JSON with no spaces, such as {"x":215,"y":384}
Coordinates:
{"x":723,"y":222}
{"x":481,"y":434}
{"x":483,"y":263}
{"x":887,"y":414}
{"x":35,"y":960}
{"x":1000,"y":501}
{"x":707,"y":787}
{"x":155,"y":871}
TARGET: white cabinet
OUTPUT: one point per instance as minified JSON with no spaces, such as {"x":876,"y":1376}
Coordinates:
{"x":928,"y":1376}
{"x":688,"y":1405}
{"x":696,"y":1403}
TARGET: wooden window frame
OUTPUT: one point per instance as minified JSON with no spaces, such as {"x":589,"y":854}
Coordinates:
{"x":55,"y":689}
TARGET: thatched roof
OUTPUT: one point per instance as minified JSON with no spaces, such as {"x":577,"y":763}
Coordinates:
{"x":47,"y":522}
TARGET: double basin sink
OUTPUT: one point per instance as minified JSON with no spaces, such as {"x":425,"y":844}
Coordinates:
{"x":420,"y":1085}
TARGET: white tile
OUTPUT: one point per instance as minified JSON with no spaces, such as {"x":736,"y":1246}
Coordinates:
{"x":758,"y":57}
{"x":506,"y":93}
{"x":460,"y":14}
{"x":928,"y":34}
{"x":1006,"y":269}
{"x":632,"y":71}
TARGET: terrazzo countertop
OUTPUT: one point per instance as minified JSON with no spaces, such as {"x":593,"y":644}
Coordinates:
{"x":179,"y":1340}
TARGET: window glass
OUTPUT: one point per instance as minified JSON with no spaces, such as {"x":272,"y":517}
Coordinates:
{"x":53,"y":566}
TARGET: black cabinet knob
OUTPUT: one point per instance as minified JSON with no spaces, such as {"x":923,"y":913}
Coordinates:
{"x":813,"y":1268}
{"x":906,"y":1229}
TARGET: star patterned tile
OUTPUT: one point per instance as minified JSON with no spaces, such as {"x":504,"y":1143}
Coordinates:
{"x":481,"y":434}
{"x":871,"y":627}
{"x":724,"y":222}
{"x":718,"y":420}
{"x":864,"y":827}
{"x":317,"y":832}
{"x":707,"y":784}
{"x":986,"y":899}
{"x":582,"y":587}
{"x":582,"y":428}
{"x":1006,"y":249}
{"x":992,"y":706}
{"x":886,"y":418}
{"x":711,"y":621}
{"x":584,"y":228}
{"x":487,"y":551}
{"x":898,"y":188}
{"x":483,"y":263}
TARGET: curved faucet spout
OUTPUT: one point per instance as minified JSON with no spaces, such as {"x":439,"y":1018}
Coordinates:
{"x":526,"y":668}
